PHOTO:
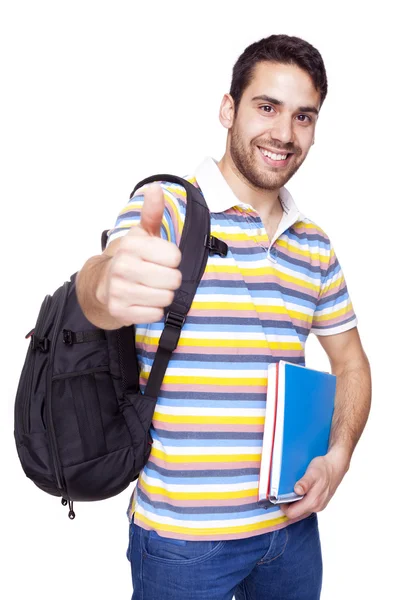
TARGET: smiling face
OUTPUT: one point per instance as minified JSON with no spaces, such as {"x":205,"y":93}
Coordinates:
{"x":273,"y":130}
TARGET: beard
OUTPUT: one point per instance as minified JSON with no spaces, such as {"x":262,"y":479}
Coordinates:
{"x":247,"y":163}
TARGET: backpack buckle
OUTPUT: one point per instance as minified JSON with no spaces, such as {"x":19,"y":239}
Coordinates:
{"x":175,"y":320}
{"x":67,"y":337}
{"x":215,"y":246}
{"x":171,"y":332}
{"x":41,"y":344}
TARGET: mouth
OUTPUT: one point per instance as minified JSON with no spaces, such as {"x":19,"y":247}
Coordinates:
{"x":275,"y":159}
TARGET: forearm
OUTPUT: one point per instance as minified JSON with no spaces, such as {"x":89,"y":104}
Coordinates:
{"x":90,"y":290}
{"x":352,"y":406}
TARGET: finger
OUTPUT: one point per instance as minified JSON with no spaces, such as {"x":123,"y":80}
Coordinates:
{"x":160,"y":252}
{"x":310,"y":503}
{"x":304,"y":485}
{"x":298,"y":517}
{"x":136,"y":315}
{"x":152,"y":210}
{"x":133,"y":270}
{"x":300,"y":508}
{"x":156,"y":276}
{"x":149,"y":296}
{"x":127,"y":294}
{"x":151,"y":249}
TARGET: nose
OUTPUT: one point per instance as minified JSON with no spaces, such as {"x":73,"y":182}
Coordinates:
{"x":282,"y":130}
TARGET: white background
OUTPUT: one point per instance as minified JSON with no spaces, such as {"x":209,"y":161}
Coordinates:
{"x":96,"y":95}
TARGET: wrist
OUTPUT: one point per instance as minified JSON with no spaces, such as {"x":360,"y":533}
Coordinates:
{"x":100,"y":291}
{"x":339,"y":457}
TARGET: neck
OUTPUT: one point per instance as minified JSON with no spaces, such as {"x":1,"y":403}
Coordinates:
{"x":265,"y":202}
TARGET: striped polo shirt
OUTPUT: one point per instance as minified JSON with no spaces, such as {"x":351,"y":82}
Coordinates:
{"x":254,"y":307}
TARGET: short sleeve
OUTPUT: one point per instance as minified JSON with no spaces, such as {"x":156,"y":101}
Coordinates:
{"x":334,"y":312}
{"x":173,"y":219}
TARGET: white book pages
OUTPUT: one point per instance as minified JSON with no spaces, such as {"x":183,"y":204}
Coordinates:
{"x":268,"y":437}
{"x":278,"y":438}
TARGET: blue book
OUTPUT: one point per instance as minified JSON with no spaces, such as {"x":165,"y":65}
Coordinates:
{"x":298,"y":419}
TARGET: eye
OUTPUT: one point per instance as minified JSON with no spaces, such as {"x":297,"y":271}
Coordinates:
{"x":267,"y":108}
{"x":304,"y":118}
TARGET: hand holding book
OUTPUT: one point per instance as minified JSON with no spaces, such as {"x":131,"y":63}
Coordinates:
{"x":319,"y":483}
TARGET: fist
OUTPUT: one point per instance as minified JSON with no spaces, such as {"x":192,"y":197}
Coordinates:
{"x":143,"y":274}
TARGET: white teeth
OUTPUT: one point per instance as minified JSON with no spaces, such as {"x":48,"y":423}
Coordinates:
{"x":273,"y":156}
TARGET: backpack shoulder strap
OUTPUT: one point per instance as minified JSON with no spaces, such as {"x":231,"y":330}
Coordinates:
{"x":194,"y":246}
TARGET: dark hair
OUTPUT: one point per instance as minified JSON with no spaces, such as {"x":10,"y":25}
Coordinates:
{"x":283,"y":49}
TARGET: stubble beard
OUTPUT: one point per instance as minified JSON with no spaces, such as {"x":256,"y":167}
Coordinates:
{"x":245,"y":162}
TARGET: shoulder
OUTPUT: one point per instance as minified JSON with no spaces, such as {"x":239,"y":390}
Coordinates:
{"x":174,"y":193}
{"x":310,"y":231}
{"x":315,"y":242}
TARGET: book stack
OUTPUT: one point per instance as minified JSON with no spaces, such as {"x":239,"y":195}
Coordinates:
{"x":298,"y":419}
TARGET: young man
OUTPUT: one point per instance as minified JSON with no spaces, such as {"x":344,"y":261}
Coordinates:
{"x":197,"y":530}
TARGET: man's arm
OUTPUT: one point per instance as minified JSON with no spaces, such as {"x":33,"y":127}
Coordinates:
{"x":352,"y":404}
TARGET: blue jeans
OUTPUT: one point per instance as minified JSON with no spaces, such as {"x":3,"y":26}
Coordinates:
{"x":281,"y":565}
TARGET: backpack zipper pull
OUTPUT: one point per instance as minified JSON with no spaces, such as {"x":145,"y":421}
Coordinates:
{"x":70,"y":503}
{"x":71,"y":513}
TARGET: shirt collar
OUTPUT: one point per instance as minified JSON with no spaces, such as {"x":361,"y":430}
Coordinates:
{"x":220,"y":197}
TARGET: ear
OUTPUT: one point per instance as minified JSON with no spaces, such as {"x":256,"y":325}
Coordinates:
{"x":227,"y":111}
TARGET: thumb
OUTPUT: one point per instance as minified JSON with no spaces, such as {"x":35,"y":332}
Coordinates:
{"x":305,"y":483}
{"x":152,"y":210}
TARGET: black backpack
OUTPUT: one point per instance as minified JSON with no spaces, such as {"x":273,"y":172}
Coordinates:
{"x":81,"y":423}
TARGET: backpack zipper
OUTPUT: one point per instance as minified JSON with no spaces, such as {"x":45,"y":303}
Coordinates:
{"x":26,"y":397}
{"x":120,"y":359}
{"x":31,"y":366}
{"x":50,"y":425}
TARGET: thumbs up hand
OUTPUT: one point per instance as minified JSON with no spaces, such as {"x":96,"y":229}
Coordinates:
{"x":143,"y":274}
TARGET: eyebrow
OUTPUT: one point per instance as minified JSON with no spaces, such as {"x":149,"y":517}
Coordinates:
{"x":303,"y":109}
